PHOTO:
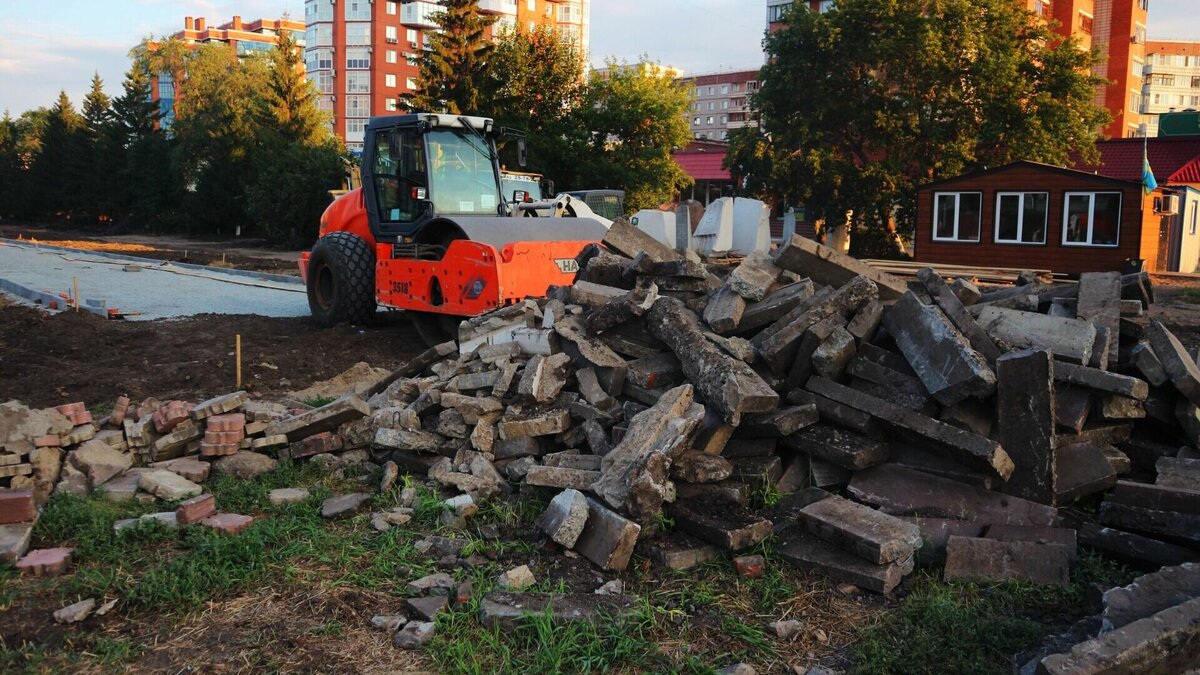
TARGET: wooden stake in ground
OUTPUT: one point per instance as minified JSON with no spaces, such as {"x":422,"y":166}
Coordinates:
{"x":75,"y":284}
{"x":238,"y":350}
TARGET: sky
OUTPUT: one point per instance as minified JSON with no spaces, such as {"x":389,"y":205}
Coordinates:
{"x":48,"y":45}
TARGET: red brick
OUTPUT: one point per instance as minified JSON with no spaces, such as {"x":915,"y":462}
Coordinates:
{"x":47,"y":441}
{"x":78,"y":419}
{"x":45,"y":562}
{"x":230,"y":422}
{"x":222,"y":437}
{"x":120,"y":410}
{"x":219,"y":449}
{"x":316,"y":444}
{"x":229,"y":523}
{"x":16,"y":506}
{"x":69,"y":409}
{"x":750,"y":566}
{"x":195,"y":509}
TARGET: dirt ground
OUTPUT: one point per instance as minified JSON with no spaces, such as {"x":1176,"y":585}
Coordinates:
{"x":50,"y":360}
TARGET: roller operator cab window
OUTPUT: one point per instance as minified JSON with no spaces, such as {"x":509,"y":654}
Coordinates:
{"x":463,"y":177}
{"x":401,"y":181}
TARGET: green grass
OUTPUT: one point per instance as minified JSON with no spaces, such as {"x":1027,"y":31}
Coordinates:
{"x":959,"y":627}
{"x":319,"y":401}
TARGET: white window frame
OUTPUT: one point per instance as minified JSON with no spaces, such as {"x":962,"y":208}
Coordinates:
{"x":1020,"y":219}
{"x":957,"y":198}
{"x":389,"y":80}
{"x":1091,"y":195}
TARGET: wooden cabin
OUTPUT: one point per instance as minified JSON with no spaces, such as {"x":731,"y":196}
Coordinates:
{"x":1028,"y":215}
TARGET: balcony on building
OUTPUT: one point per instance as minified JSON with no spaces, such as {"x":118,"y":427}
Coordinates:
{"x":498,"y":6}
{"x":419,"y":14}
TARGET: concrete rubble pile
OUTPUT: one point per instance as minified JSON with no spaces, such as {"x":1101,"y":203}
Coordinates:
{"x":681,"y":411}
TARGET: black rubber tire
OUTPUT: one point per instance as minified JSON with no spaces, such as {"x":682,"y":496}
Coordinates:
{"x":341,"y":280}
{"x":435,"y":329}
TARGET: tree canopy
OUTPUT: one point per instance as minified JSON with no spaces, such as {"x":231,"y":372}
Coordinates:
{"x":453,"y":70}
{"x":864,"y":103}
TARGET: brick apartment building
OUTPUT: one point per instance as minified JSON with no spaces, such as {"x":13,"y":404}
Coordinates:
{"x":1172,"y":80}
{"x":362,"y":55}
{"x":1118,"y":27}
{"x":246,"y":37}
{"x":720,"y":103}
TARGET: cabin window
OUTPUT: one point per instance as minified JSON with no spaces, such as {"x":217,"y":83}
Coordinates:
{"x":956,"y":216}
{"x":1092,"y":219}
{"x":1021,"y":217}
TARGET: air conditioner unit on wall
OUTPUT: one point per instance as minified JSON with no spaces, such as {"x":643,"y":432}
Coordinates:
{"x":1166,"y":205}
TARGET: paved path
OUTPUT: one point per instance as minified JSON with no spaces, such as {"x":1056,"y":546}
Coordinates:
{"x":156,"y":290}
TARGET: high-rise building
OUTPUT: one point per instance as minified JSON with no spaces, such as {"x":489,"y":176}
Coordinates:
{"x":246,"y":37}
{"x":1172,"y":80}
{"x":1118,"y":27}
{"x":719,"y":103}
{"x":362,"y":55}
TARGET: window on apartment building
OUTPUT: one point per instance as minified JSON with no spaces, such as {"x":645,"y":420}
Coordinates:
{"x":358,"y":106}
{"x":1195,"y":101}
{"x":322,"y":80}
{"x":696,"y":135}
{"x":531,"y":5}
{"x":736,"y":87}
{"x":712,"y":91}
{"x":826,"y":5}
{"x":696,"y":122}
{"x":410,"y":35}
{"x":956,"y":216}
{"x":725,"y":104}
{"x":389,"y":80}
{"x":1162,"y":79}
{"x":1092,"y":219}
{"x":775,"y":12}
{"x":358,"y":10}
{"x":390,"y":56}
{"x":319,"y":35}
{"x":1139,"y":35}
{"x":358,"y":83}
{"x":1144,"y":4}
{"x":355,"y":127}
{"x":1135,"y":102}
{"x":358,"y":58}
{"x":166,"y":86}
{"x":1085,"y":23}
{"x":724,"y":89}
{"x":325,"y":104}
{"x":699,"y":92}
{"x":709,"y":120}
{"x":1157,"y":99}
{"x":1021,"y":217}
{"x":390,"y":105}
{"x":570,"y":12}
{"x":724,"y":119}
{"x":358,"y":33}
{"x":390,"y":8}
{"x":752,"y":85}
{"x":391,"y":34}
{"x":317,"y":10}
{"x":1137,"y":66}
{"x":1042,"y":8}
{"x":724,"y":135}
{"x":1195,"y":82}
{"x":410,"y":83}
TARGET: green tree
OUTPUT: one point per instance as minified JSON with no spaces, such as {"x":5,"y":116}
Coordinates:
{"x":290,"y":99}
{"x":97,"y":163}
{"x":452,"y":70}
{"x":864,"y":103}
{"x":57,"y":167}
{"x":622,"y":135}
{"x":147,"y":189}
{"x":11,"y":171}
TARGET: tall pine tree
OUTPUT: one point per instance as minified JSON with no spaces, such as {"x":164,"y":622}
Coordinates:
{"x":459,"y":53}
{"x":56,"y":168}
{"x":97,"y":165}
{"x":290,"y":99}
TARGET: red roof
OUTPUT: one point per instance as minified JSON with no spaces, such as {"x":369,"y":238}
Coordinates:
{"x":703,"y":165}
{"x":1173,"y":160}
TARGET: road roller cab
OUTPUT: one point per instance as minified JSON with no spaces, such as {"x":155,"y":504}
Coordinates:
{"x":432,"y":232}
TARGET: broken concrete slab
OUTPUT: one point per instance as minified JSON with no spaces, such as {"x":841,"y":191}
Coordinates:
{"x":547,"y":424}
{"x":962,"y":444}
{"x":841,"y":447}
{"x":1151,"y":593}
{"x":508,"y":610}
{"x":943,"y":359}
{"x":809,"y":552}
{"x":1025,"y":411}
{"x":727,"y":384}
{"x":957,"y":313}
{"x":1102,"y":380}
{"x":1082,"y":469}
{"x":724,"y":311}
{"x":732,"y":529}
{"x":1134,"y":549}
{"x":167,"y":485}
{"x":780,"y":423}
{"x":607,"y":538}
{"x":326,"y":418}
{"x":872,"y":535}
{"x":1062,"y":536}
{"x":754,"y":276}
{"x":1183,"y":528}
{"x":14,"y":541}
{"x":1157,"y":497}
{"x":1178,"y":364}
{"x":778,"y":344}
{"x":1099,"y":301}
{"x":994,"y":560}
{"x":1179,"y":473}
{"x":935,"y":536}
{"x":828,"y":266}
{"x":1071,"y":340}
{"x":774,"y":306}
{"x":905,"y":492}
{"x":1146,"y":361}
{"x":561,"y":477}
{"x":564,"y":518}
{"x":1166,"y":642}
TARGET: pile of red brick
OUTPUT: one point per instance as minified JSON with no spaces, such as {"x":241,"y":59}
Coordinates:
{"x":223,"y":435}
